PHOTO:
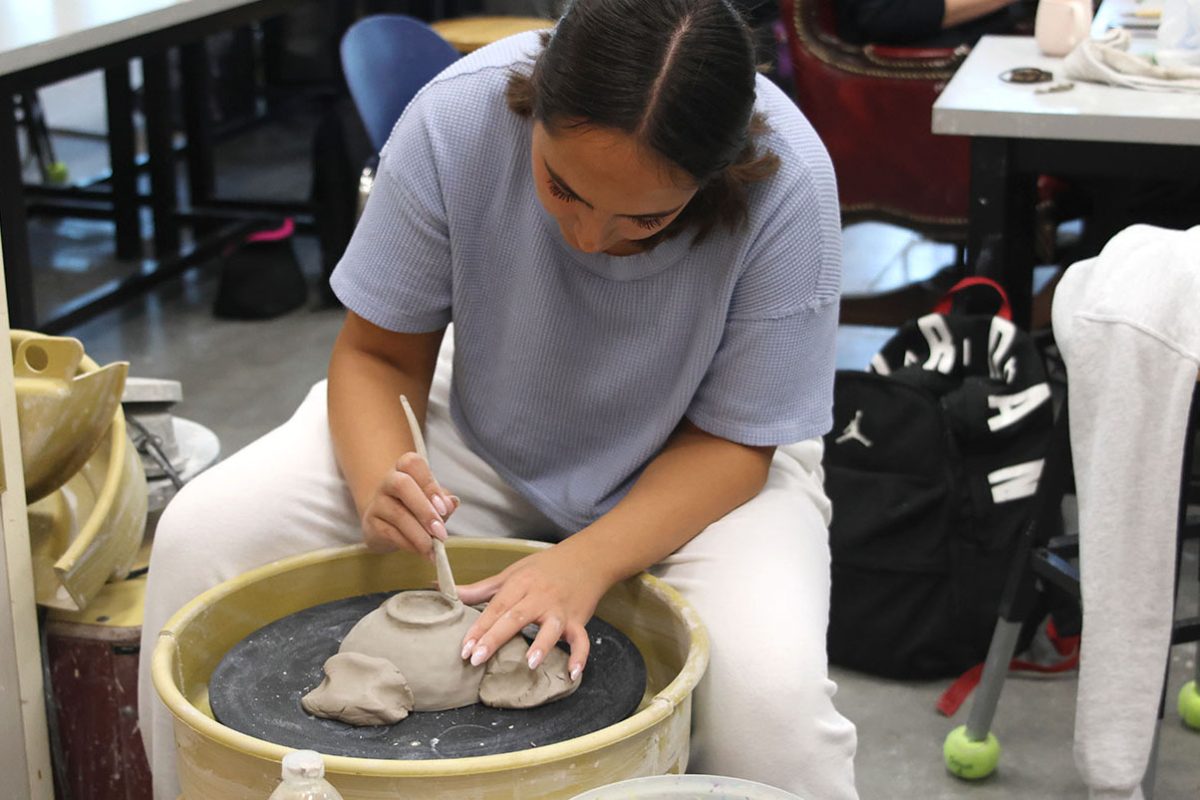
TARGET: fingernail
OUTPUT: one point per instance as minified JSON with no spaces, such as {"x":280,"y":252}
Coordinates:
{"x":575,"y":671}
{"x":535,"y":658}
{"x":439,"y":504}
{"x":479,"y":656}
{"x":455,"y":501}
{"x":467,"y":648}
{"x":438,"y":529}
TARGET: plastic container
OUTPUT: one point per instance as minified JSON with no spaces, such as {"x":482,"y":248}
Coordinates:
{"x":304,"y":778}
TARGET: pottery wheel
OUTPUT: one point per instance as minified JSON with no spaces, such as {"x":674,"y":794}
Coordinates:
{"x":256,"y":689}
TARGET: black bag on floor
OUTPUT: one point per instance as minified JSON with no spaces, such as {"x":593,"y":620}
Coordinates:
{"x":932,"y":466}
{"x":260,"y":276}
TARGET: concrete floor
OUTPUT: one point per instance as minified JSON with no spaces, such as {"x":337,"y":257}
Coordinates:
{"x":242,"y":379}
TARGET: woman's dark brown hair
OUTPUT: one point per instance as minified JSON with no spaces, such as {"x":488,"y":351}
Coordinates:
{"x":676,"y":74}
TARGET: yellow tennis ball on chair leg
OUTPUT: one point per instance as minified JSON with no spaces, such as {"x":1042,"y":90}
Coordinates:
{"x":1189,"y":705}
{"x":969,"y":759}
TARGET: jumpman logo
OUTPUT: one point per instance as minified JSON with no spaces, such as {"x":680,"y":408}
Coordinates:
{"x":853,"y":432}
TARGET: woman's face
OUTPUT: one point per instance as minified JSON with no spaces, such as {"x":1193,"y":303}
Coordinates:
{"x":604,"y":189}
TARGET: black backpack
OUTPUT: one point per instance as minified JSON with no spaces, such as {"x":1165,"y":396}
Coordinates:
{"x":260,"y":276}
{"x":932,"y":465}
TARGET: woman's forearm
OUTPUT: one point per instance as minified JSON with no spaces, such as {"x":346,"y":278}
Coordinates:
{"x":960,"y":11}
{"x":365,"y":417}
{"x":697,"y":479}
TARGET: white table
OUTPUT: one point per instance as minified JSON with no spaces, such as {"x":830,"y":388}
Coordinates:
{"x":39,"y":32}
{"x":1017,"y":134}
{"x":44,"y":41}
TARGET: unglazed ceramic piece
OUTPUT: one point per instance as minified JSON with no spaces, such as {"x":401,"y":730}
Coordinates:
{"x":360,"y":690}
{"x":509,"y":682}
{"x":411,"y":644}
{"x":421,"y":633}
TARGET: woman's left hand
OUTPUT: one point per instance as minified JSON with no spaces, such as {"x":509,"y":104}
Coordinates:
{"x":550,"y":589}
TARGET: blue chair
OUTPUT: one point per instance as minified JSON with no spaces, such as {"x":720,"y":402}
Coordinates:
{"x":387,"y":59}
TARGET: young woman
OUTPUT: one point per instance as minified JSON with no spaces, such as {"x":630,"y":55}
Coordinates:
{"x":638,"y":243}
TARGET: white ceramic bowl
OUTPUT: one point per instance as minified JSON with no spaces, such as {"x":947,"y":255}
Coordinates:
{"x":687,"y":787}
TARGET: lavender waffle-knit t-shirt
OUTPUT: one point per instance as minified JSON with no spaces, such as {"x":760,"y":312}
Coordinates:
{"x":571,"y":370}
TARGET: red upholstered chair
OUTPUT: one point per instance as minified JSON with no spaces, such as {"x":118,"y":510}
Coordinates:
{"x":872,"y":105}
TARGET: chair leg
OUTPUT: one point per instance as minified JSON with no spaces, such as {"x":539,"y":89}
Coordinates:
{"x":1182,"y":525}
{"x":971,"y":751}
{"x":1189,"y":696}
{"x":1196,"y":658}
{"x":1188,"y":702}
{"x":995,"y":671}
{"x":1152,"y":766}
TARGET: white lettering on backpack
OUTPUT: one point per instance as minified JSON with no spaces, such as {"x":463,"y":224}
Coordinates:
{"x":854,"y":433}
{"x":942,"y":354}
{"x":880,"y":366}
{"x":1000,"y":340}
{"x":1015,"y":482}
{"x":1012,"y":408}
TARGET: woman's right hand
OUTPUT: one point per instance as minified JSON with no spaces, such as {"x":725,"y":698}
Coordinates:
{"x":408,"y":509}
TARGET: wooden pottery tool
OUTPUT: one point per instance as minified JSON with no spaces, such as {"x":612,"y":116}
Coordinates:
{"x":444,"y":575}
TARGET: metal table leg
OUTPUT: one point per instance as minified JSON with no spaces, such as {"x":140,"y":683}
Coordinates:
{"x":122,"y":160}
{"x":197,"y":84}
{"x":1000,"y":235}
{"x":14,"y":232}
{"x":164,"y":192}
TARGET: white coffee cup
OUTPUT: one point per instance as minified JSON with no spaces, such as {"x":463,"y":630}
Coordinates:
{"x":1061,"y":25}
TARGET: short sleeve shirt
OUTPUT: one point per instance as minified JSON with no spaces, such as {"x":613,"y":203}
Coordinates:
{"x":571,"y":370}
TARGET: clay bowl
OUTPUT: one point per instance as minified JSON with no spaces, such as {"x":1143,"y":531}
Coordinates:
{"x":216,"y":761}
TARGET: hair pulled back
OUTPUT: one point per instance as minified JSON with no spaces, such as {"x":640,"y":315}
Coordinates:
{"x":678,"y":75}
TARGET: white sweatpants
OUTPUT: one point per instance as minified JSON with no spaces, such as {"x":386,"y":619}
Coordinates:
{"x":1127,"y":325}
{"x":759,"y":579}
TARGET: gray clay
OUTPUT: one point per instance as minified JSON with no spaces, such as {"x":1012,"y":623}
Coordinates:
{"x":412,"y":644}
{"x":510,"y":683}
{"x":422,"y":633}
{"x":360,"y":690}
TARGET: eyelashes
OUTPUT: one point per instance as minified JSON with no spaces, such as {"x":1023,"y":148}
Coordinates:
{"x":562,"y":195}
